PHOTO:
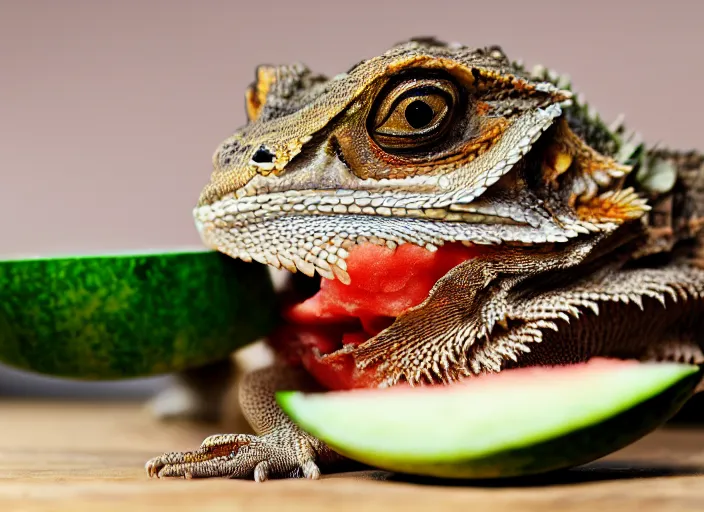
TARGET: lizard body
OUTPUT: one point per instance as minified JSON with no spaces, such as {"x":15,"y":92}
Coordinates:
{"x":578,"y":240}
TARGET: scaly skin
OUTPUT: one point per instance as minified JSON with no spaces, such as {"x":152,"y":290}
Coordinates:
{"x":592,"y":241}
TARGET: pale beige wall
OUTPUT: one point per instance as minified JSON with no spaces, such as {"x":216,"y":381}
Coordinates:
{"x":110,"y":111}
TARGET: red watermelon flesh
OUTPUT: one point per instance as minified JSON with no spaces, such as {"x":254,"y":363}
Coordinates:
{"x":384,"y":283}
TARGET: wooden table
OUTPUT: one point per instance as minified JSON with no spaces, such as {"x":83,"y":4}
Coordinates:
{"x":79,"y":456}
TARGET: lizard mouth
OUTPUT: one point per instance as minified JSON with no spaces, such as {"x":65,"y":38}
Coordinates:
{"x":322,"y":330}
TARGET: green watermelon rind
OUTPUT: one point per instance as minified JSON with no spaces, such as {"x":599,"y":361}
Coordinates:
{"x":574,"y":442}
{"x":109,"y":317}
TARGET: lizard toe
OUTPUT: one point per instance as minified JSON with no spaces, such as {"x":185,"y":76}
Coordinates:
{"x":261,"y":472}
{"x":310,"y":470}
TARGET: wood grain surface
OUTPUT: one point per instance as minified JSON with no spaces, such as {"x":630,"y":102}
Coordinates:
{"x":86,"y":456}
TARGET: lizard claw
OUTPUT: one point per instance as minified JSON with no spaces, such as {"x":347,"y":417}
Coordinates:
{"x":239,"y":456}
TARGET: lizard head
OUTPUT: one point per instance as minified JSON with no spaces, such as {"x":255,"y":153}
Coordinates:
{"x":460,"y":143}
{"x":429,"y":146}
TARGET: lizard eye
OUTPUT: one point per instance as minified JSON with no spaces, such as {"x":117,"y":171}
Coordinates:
{"x":414,"y":113}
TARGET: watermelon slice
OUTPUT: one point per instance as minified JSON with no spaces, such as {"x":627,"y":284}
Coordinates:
{"x":132,"y":314}
{"x":517,"y":422}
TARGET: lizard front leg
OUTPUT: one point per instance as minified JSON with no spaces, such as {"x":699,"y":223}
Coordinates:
{"x":432,"y":341}
{"x":636,"y":313}
{"x":279,"y":450}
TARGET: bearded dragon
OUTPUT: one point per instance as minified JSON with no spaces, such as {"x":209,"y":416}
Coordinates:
{"x":466,"y":216}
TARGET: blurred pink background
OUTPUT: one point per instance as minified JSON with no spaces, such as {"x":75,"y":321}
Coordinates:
{"x":110,"y":111}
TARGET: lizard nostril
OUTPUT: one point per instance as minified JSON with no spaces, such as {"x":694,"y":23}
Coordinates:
{"x":263,"y":155}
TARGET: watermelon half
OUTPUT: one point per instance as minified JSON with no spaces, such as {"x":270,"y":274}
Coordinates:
{"x":115,"y":316}
{"x":514,"y":423}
